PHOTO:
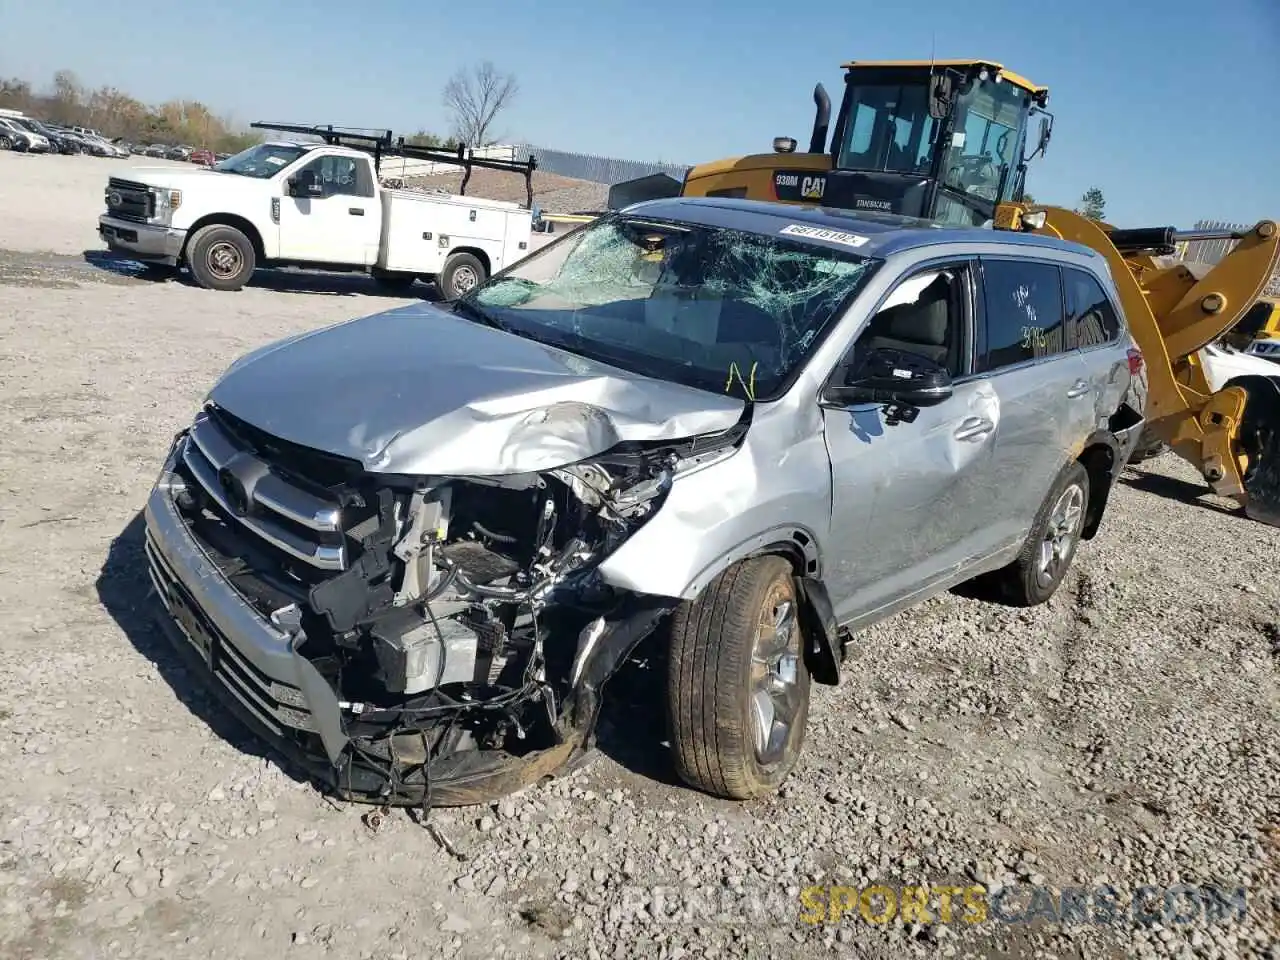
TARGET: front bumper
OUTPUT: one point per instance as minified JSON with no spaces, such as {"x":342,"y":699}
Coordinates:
{"x":142,"y":241}
{"x":254,"y":667}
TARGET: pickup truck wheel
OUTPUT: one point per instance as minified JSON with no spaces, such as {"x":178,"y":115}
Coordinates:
{"x":737,"y":686}
{"x":220,"y":257}
{"x":462,"y":272}
{"x":1050,"y":547}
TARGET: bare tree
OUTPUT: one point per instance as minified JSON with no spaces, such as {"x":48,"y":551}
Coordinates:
{"x":475,"y":97}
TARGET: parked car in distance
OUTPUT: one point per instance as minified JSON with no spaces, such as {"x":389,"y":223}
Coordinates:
{"x":156,"y":150}
{"x":203,"y":157}
{"x":60,"y":142}
{"x":470,"y":514}
{"x":15,"y":136}
{"x":179,"y":153}
{"x":88,"y":132}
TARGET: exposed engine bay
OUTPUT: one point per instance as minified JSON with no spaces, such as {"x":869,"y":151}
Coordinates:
{"x":465,"y":643}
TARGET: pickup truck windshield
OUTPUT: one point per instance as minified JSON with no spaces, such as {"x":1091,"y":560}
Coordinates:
{"x":261,"y":161}
{"x":708,"y":307}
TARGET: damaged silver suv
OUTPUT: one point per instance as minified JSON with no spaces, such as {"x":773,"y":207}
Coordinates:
{"x":412,"y":548}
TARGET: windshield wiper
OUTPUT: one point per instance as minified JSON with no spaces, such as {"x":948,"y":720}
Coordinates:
{"x":470,"y":310}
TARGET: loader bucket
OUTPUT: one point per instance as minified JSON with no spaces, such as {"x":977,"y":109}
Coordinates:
{"x":1259,"y":439}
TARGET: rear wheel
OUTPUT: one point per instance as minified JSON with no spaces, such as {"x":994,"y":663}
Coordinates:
{"x":737,"y":685}
{"x":462,"y":273}
{"x":1259,"y":440}
{"x":221,"y":257}
{"x":1038,"y":571}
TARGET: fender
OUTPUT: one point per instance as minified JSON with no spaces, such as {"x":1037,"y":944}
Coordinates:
{"x":1099,"y":467}
{"x":818,"y":624}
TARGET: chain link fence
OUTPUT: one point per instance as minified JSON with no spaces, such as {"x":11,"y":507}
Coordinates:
{"x":587,"y":166}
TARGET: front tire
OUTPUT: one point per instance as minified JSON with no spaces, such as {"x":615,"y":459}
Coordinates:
{"x":737,"y":685}
{"x":462,"y":273}
{"x":221,"y":257}
{"x":1038,"y":571}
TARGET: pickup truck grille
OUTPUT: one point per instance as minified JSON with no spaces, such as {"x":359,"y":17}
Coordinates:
{"x":129,"y":200}
{"x":298,"y":522}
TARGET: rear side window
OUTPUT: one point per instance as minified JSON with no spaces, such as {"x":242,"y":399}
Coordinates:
{"x":1091,"y":316}
{"x":1024,"y":314}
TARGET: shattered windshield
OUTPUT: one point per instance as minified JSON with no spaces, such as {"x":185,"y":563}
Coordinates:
{"x":708,"y":307}
{"x":261,"y":161}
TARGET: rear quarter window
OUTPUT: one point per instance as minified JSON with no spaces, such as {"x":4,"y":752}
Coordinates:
{"x":1092,"y":318}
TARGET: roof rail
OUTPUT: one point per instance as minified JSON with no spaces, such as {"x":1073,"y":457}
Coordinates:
{"x":382,"y":143}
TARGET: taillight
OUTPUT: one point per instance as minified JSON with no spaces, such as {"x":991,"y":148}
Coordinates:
{"x":1135,"y":360}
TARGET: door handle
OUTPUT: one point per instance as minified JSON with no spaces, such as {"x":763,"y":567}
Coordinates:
{"x":973,"y":428}
{"x":356,"y":211}
{"x":1079,"y":388}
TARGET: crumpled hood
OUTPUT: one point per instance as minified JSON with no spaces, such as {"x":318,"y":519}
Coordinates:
{"x":419,"y":390}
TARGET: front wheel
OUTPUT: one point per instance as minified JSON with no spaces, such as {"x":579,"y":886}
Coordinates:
{"x":737,"y":685}
{"x":5,"y":143}
{"x":462,"y":273}
{"x":1038,"y":571}
{"x":220,"y":257}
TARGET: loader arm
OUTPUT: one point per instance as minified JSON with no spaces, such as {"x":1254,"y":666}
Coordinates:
{"x":1232,"y":436}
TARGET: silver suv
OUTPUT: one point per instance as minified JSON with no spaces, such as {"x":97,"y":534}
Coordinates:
{"x":412,"y":548}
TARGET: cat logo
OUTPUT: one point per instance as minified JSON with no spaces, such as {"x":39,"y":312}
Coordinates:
{"x":812,"y":188}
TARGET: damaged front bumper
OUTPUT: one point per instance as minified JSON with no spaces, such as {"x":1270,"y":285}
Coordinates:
{"x":259,"y":673}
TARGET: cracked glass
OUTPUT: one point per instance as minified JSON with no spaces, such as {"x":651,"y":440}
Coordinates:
{"x":719,"y":309}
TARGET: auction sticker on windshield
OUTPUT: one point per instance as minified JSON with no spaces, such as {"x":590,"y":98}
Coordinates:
{"x":822,"y":233}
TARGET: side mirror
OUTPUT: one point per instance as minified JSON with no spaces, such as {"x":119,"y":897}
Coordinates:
{"x":940,"y":96}
{"x":903,"y":382}
{"x":305,"y":184}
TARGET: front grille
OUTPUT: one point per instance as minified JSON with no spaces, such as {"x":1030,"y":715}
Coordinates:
{"x":273,"y":704}
{"x":297,"y":521}
{"x":129,"y":200}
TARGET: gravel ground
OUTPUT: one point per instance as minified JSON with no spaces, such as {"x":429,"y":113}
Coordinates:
{"x":1128,"y":732}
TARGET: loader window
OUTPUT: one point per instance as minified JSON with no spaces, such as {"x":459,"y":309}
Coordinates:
{"x":986,"y":141}
{"x":889,"y":129}
{"x":1091,"y":317}
{"x":1024,"y":315}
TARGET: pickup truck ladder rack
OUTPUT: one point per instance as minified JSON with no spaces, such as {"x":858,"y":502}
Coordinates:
{"x":382,"y":143}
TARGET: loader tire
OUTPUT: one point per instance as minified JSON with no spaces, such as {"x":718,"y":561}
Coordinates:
{"x":221,"y":257}
{"x":737,"y":685}
{"x":1259,"y":440}
{"x":462,"y":273}
{"x":1038,"y":570}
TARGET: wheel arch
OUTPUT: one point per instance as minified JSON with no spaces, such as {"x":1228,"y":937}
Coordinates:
{"x":1100,"y":458}
{"x":242,"y":224}
{"x":800,"y":548}
{"x":478,"y":254}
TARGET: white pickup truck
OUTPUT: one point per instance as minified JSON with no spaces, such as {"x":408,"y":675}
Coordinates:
{"x":307,"y":205}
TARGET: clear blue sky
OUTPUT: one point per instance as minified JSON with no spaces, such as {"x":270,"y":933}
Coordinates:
{"x":1168,"y":106}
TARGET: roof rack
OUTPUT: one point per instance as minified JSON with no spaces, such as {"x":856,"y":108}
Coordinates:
{"x":382,"y":143}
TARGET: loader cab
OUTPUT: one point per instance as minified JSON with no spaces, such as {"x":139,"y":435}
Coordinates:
{"x":946,"y":140}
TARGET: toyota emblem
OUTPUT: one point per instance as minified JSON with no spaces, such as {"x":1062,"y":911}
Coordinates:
{"x":237,"y":496}
{"x":114,"y":199}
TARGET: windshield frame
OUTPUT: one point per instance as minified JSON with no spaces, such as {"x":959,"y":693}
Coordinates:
{"x":640,"y":363}
{"x":227,"y":165}
{"x":1001,"y":98}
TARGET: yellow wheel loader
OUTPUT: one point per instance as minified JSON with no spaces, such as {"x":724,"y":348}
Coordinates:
{"x":1231,"y":435}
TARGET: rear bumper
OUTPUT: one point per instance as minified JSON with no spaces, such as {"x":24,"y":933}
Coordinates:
{"x":154,"y":244}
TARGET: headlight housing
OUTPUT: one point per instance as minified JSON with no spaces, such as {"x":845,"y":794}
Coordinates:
{"x":165,"y":202}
